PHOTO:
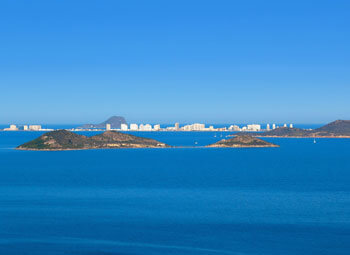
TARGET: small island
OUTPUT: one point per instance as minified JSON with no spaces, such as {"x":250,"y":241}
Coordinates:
{"x":66,"y":140}
{"x":242,"y":141}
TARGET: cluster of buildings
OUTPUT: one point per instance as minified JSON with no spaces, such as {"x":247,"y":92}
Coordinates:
{"x":200,"y":127}
{"x":25,"y":128}
{"x":149,"y":127}
{"x":195,"y":127}
{"x":157,"y":127}
{"x":274,"y":126}
{"x":141,"y":127}
{"x":256,"y":127}
{"x":250,"y":127}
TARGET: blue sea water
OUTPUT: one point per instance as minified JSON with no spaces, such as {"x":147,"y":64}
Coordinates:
{"x":289,"y":200}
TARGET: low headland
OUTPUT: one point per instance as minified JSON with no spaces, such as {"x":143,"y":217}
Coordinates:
{"x":242,"y":141}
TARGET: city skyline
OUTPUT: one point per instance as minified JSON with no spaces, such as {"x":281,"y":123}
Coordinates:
{"x":175,"y":123}
{"x":155,"y":127}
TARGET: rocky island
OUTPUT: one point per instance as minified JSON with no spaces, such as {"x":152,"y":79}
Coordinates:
{"x":66,"y":140}
{"x":242,"y":141}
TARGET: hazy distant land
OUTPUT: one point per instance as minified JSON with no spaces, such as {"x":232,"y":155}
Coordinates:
{"x":114,"y":121}
{"x":335,"y":129}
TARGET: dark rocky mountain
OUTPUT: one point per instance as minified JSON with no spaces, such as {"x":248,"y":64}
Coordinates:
{"x":66,"y":140}
{"x":115,"y":122}
{"x":338,"y":127}
{"x":243,"y":141}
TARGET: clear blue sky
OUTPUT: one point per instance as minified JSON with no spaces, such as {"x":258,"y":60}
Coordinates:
{"x":165,"y":61}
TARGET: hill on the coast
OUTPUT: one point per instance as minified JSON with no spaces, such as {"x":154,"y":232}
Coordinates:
{"x":242,"y":141}
{"x":338,"y":128}
{"x":66,"y":140}
{"x":115,"y":122}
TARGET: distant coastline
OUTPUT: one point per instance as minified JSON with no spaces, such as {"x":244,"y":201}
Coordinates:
{"x":335,"y":129}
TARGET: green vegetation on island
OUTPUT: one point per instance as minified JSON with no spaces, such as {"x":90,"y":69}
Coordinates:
{"x":66,"y":140}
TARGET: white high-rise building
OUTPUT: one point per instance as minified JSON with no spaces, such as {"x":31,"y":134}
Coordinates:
{"x":234,"y":128}
{"x":147,"y":127}
{"x":194,"y":127}
{"x":285,"y":125}
{"x":254,"y":127}
{"x":291,"y":125}
{"x":124,"y":127}
{"x":34,"y":127}
{"x":156,"y":127}
{"x":134,"y":127}
{"x":273,"y":126}
{"x":108,"y":127}
{"x":198,"y":126}
{"x":11,"y":128}
{"x":268,"y":127}
{"x":25,"y":127}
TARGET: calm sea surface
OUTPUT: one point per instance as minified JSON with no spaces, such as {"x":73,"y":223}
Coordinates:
{"x":289,"y":200}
